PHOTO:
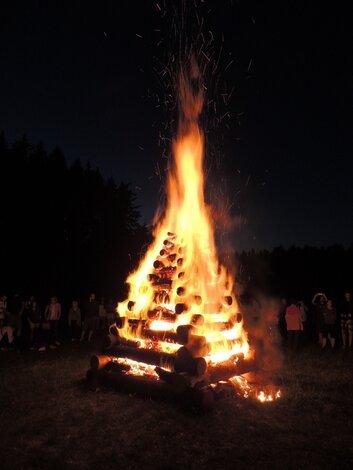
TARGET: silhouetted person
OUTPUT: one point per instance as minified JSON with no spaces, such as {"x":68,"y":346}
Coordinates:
{"x":329,"y":327}
{"x":347,"y":321}
{"x":53,"y":314}
{"x":319,"y":302}
{"x":74,"y":321}
{"x":34,"y":318}
{"x":91,"y":317}
{"x":110,"y":310}
{"x":15,"y":307}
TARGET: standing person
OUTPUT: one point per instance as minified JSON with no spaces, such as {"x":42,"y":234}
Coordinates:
{"x":102,"y":315}
{"x":34,"y":318}
{"x":74,"y":320}
{"x":347,"y":321}
{"x":294,"y":324}
{"x":304,"y":319}
{"x":319,"y":302}
{"x":15,"y":307}
{"x":110,"y":309}
{"x":329,"y":328}
{"x":91,"y":317}
{"x":53,"y":314}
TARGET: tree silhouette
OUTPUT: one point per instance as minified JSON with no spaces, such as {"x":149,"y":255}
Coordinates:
{"x":65,"y":228}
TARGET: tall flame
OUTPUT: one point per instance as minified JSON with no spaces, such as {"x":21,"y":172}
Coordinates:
{"x":199,"y":282}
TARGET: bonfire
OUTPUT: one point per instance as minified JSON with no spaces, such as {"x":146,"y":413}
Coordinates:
{"x":180,"y":333}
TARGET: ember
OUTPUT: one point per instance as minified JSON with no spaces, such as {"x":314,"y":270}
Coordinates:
{"x":180,"y":326}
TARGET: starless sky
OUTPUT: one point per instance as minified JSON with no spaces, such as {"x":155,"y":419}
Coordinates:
{"x":85,"y":76}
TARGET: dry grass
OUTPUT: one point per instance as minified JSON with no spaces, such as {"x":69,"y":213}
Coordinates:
{"x":48,"y":419}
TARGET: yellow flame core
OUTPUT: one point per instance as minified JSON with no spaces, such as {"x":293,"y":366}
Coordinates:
{"x":197,"y":271}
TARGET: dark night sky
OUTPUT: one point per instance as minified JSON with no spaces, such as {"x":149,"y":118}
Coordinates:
{"x":78,"y":75}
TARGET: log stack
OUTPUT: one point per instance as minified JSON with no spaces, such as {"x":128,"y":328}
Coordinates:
{"x":133,"y":360}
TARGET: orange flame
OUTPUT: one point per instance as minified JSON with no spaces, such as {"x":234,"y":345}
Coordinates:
{"x":184,"y":251}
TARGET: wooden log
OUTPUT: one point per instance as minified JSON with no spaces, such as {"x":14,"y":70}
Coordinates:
{"x":198,"y":399}
{"x":196,"y":366}
{"x":158,"y":265}
{"x":180,"y":381}
{"x":197,"y":320}
{"x":184,"y":332}
{"x":198,"y":346}
{"x":120,"y":322}
{"x":168,"y":244}
{"x":148,"y":356}
{"x":98,"y":361}
{"x":227,"y":369}
{"x":130,"y":305}
{"x":160,"y":335}
{"x":130,"y":343}
{"x":162,"y":314}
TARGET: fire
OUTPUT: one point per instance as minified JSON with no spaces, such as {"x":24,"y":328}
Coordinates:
{"x":180,"y":281}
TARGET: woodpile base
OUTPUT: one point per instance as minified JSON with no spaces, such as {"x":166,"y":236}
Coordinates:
{"x":189,"y":383}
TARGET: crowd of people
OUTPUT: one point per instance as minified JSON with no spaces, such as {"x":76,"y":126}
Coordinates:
{"x":23,"y":323}
{"x":331,"y":326}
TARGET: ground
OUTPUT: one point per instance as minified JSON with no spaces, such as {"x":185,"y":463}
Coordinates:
{"x":49,"y":419}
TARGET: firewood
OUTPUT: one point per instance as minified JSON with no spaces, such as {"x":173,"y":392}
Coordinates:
{"x":226,"y":370}
{"x":160,"y":335}
{"x":99,"y":361}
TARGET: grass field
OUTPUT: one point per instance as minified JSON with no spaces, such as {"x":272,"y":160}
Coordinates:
{"x":49,"y":419}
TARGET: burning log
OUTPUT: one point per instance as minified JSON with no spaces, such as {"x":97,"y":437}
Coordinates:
{"x":184,"y":332}
{"x":198,"y":346}
{"x":194,"y":366}
{"x":162,"y":314}
{"x":99,"y":361}
{"x":120,"y":322}
{"x":197,"y":320}
{"x":154,"y":335}
{"x":230,"y":368}
{"x":181,"y":308}
{"x":158,"y":265}
{"x":228,"y":300}
{"x":199,"y":399}
{"x":168,"y":244}
{"x":148,"y":356}
{"x":130,"y":305}
{"x":180,"y":381}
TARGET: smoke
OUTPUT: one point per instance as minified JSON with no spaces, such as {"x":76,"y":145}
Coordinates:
{"x":261,"y":322}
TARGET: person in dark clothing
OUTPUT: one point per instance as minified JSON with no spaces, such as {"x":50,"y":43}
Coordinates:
{"x":329,"y":327}
{"x":74,"y":321}
{"x":34,"y":318}
{"x":319,"y":302}
{"x":347,"y":321}
{"x":15,"y":307}
{"x":91,"y":317}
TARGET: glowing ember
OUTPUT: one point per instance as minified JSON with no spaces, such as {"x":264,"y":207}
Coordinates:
{"x":247,"y":390}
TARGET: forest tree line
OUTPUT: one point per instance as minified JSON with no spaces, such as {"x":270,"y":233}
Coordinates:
{"x":66,"y":230}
